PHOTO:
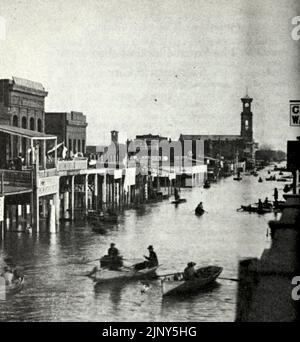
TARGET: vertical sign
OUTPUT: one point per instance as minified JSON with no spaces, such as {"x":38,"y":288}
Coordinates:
{"x":294,"y":113}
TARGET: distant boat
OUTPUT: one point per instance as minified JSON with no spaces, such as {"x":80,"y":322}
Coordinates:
{"x":179,"y":200}
{"x":175,"y":284}
{"x":254,"y":209}
{"x":206,"y":185}
{"x":239,"y":178}
{"x":199,"y":211}
{"x":15,"y":287}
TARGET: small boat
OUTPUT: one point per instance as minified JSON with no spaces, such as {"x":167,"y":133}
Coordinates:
{"x":254,"y":209}
{"x":95,"y":215}
{"x":104,"y":275}
{"x":98,"y":229}
{"x":175,"y":284}
{"x":199,"y":211}
{"x":15,"y":287}
{"x":206,"y":185}
{"x":282,"y":179}
{"x":180,"y":200}
{"x":237,"y":178}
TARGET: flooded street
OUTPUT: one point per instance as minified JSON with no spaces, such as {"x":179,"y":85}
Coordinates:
{"x":55,"y":289}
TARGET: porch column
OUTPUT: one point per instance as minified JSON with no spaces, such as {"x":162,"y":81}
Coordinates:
{"x":72,"y":196}
{"x":86,"y":197}
{"x":96,"y":191}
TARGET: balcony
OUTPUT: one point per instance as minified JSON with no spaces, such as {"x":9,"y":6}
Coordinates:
{"x":72,"y":165}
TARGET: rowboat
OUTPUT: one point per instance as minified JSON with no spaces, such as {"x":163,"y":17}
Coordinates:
{"x":237,"y":178}
{"x":206,"y":185}
{"x":97,"y":216}
{"x":123,"y":274}
{"x":98,"y":229}
{"x":199,"y":211}
{"x":254,"y":209}
{"x":176,"y":285}
{"x":180,"y":200}
{"x":15,"y":287}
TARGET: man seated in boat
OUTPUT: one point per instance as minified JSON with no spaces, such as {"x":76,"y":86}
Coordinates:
{"x":189,"y":272}
{"x":176,"y":195}
{"x":260,"y":205}
{"x":7,"y":275}
{"x":199,"y":208}
{"x":152,"y":260}
{"x":112,"y":260}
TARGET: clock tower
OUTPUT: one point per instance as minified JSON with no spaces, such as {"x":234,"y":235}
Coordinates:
{"x":247,"y":119}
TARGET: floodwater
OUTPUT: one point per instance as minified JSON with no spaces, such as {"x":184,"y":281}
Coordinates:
{"x":55,"y":289}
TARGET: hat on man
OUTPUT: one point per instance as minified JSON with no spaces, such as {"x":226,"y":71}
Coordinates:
{"x":150,"y":247}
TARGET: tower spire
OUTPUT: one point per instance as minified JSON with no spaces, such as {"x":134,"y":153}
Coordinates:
{"x":246,"y":91}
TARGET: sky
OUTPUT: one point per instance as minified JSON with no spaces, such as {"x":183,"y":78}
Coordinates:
{"x":158,"y":66}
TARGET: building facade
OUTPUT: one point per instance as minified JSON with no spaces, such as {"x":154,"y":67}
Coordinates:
{"x":22,"y":104}
{"x":233,"y":148}
{"x":70,"y":129}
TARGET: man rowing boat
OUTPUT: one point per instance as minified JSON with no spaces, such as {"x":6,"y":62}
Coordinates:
{"x":152,"y":260}
{"x":189,"y":272}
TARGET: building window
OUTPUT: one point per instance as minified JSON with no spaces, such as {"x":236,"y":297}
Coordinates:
{"x":31,"y":124}
{"x":70,"y":145}
{"x":83,"y":146}
{"x":40,"y":125}
{"x":24,"y":122}
{"x":79,"y":145}
{"x":15,"y":121}
{"x":246,"y":125}
{"x":74,"y":146}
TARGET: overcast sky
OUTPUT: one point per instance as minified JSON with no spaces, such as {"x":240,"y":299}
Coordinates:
{"x":167,"y":67}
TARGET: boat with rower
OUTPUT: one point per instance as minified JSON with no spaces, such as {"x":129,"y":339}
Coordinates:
{"x":206,"y":185}
{"x":100,"y":216}
{"x":122,"y":274}
{"x":15,"y":287}
{"x":175,"y":284}
{"x":179,"y":200}
{"x":255,"y":209}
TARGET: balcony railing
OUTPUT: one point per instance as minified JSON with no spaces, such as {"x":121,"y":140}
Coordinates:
{"x":72,"y":165}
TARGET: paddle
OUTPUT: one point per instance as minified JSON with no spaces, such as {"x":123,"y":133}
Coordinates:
{"x":231,"y":279}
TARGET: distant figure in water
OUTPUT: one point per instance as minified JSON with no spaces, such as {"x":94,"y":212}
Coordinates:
{"x":176,"y":194}
{"x":275,"y":194}
{"x":260,"y":205}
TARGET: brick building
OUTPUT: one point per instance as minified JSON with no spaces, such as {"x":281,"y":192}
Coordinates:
{"x":230,"y":147}
{"x":22,"y":105}
{"x":69,"y":128}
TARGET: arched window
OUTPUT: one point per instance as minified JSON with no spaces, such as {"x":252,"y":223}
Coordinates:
{"x":32,"y":124}
{"x":24,"y":122}
{"x":15,"y":121}
{"x":40,"y":125}
{"x":246,"y":125}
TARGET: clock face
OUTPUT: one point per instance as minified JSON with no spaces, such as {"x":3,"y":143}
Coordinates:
{"x":247,"y":104}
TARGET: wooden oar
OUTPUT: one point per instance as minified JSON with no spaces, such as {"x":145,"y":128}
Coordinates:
{"x":231,"y":279}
